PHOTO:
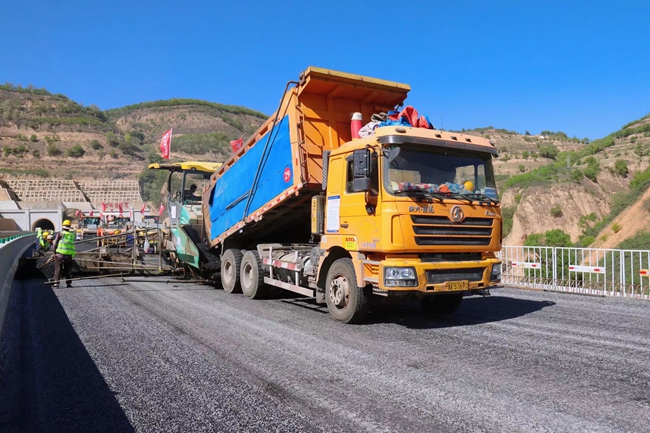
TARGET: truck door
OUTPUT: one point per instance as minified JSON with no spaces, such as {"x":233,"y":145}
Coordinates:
{"x":358,"y":209}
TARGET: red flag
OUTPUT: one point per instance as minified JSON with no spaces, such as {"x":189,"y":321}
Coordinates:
{"x":142,"y":209}
{"x":166,"y":144}
{"x":103,"y":207}
{"x":237,"y":144}
{"x":119,"y":208}
{"x":161,"y":210}
{"x":91,"y":213}
{"x":78,"y":214}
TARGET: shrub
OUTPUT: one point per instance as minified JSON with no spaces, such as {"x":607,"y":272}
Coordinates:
{"x":7,"y":150}
{"x":646,"y":204}
{"x":112,"y":139}
{"x":591,"y":172}
{"x":113,"y":154}
{"x":576,"y":175}
{"x":604,"y":238}
{"x":586,"y":241}
{"x":52,"y":150}
{"x":507,"y":213}
{"x":548,"y":151}
{"x":616,"y":227}
{"x":620,"y":168}
{"x":33,"y":138}
{"x":517,"y":198}
{"x":522,"y":168}
{"x":556,"y":211}
{"x":96,"y":145}
{"x":36,"y":154}
{"x":525,"y":154}
{"x":75,"y":151}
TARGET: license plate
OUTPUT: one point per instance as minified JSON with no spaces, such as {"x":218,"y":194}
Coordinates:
{"x":457,"y":286}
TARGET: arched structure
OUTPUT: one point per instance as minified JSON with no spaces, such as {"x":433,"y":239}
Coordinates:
{"x":43,"y":223}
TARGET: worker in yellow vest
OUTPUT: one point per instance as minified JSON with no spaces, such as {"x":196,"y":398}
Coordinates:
{"x":64,"y":251}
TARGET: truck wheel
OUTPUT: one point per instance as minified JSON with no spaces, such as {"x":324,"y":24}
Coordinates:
{"x":346,"y":302}
{"x":442,"y":304}
{"x":252,"y":276}
{"x":230,"y":266}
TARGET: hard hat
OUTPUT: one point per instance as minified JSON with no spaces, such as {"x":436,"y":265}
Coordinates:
{"x":67,"y":223}
{"x":46,"y":234}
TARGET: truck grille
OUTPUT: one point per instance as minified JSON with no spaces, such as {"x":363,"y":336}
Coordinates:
{"x":438,"y":276}
{"x":440,"y":230}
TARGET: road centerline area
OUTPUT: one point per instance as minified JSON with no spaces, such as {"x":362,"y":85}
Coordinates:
{"x":186,"y":357}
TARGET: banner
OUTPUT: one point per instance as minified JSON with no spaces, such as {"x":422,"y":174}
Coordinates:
{"x":237,"y":144}
{"x":166,"y":144}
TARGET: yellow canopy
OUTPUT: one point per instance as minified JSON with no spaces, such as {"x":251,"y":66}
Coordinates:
{"x":206,"y":167}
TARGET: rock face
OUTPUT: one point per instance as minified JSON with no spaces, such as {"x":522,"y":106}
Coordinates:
{"x":547,"y":208}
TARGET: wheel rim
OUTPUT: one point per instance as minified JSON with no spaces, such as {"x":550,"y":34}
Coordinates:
{"x":247,"y":275}
{"x":339,"y":292}
{"x":228,"y":271}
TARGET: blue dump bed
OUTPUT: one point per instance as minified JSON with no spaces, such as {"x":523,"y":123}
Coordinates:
{"x":263,"y":192}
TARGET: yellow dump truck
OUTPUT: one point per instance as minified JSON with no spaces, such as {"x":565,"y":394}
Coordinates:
{"x":403,"y":211}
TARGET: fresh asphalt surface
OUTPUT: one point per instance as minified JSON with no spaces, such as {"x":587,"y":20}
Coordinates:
{"x":150,"y":356}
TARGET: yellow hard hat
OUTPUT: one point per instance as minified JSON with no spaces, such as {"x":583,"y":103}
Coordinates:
{"x":67,"y":223}
{"x":46,"y":234}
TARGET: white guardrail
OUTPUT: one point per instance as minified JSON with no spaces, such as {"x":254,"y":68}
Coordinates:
{"x":11,"y":249}
{"x":591,"y":271}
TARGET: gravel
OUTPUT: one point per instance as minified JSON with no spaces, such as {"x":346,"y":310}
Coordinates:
{"x":150,"y":356}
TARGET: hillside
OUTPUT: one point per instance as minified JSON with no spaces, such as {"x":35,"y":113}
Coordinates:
{"x":581,"y":187}
{"x":48,"y":135}
{"x":590,"y":189}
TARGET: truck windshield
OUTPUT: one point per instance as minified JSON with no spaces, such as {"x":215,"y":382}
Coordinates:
{"x":91,"y":221}
{"x":442,"y":172}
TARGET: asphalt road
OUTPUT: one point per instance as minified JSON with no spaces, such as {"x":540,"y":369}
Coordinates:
{"x":149,"y":356}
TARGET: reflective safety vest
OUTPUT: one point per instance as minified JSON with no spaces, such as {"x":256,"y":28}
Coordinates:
{"x":66,"y":244}
{"x":39,"y":234}
{"x":43,"y":243}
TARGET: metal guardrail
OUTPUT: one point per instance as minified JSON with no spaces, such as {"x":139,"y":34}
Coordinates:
{"x":593,"y":271}
{"x":7,"y":239}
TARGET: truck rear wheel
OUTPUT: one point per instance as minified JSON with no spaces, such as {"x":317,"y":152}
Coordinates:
{"x":252,"y":276}
{"x":346,"y":302}
{"x":230,"y":266}
{"x":442,"y":304}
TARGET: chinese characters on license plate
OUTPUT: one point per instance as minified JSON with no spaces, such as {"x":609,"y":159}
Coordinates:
{"x":454,"y":286}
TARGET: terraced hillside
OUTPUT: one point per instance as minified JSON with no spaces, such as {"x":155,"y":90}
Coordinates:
{"x":43,"y":135}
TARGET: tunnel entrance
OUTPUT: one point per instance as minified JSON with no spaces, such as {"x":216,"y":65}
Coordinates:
{"x":43,"y":223}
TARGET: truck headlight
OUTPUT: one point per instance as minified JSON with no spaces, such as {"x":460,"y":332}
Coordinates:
{"x":400,"y":277}
{"x":496,"y":272}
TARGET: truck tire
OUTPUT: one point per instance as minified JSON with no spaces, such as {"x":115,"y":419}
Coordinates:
{"x":252,"y":276}
{"x":442,"y":304}
{"x":230,"y":266}
{"x":346,"y":302}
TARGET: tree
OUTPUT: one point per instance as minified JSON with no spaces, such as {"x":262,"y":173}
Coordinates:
{"x":527,"y":133}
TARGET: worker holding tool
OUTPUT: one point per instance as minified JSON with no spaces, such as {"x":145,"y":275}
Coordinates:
{"x":64,"y":251}
{"x":44,"y":243}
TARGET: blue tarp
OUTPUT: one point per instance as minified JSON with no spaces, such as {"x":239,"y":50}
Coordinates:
{"x":230,"y":194}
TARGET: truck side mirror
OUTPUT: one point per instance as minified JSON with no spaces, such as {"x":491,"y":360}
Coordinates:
{"x":361,"y":170}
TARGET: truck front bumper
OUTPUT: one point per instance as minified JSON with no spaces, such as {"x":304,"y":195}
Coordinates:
{"x":400,"y":276}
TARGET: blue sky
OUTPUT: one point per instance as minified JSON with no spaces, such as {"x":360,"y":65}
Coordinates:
{"x":578,"y":67}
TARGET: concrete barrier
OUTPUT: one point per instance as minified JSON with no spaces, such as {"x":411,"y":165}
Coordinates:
{"x":10,"y":252}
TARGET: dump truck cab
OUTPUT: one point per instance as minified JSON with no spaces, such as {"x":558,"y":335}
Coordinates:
{"x":416,"y":211}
